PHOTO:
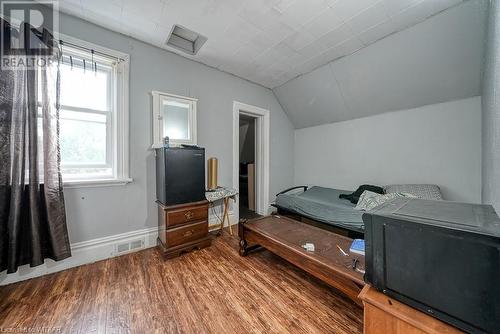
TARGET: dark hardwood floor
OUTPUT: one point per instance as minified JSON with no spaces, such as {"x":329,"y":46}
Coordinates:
{"x":213,"y":290}
{"x":246,"y":213}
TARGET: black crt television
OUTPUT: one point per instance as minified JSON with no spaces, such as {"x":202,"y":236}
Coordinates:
{"x":440,"y":257}
{"x":180,"y":175}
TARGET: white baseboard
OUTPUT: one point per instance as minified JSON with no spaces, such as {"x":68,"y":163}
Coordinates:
{"x":95,"y":250}
{"x":85,"y":252}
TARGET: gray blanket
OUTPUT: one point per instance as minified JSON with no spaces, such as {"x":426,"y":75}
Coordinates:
{"x":323,"y":204}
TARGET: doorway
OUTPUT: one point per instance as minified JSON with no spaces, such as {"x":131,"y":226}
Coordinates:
{"x":247,"y":175}
{"x":251,"y":160}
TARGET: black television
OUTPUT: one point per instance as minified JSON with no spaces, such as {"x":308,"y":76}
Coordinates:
{"x":180,"y":175}
{"x":440,"y":257}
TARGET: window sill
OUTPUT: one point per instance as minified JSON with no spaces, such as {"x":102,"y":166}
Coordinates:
{"x":96,"y":183}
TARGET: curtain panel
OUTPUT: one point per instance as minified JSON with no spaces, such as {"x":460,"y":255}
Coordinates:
{"x":32,"y":213}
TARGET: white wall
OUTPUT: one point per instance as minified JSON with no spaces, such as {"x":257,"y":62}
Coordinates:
{"x":437,"y":144}
{"x":105,"y":211}
{"x":491,"y":111}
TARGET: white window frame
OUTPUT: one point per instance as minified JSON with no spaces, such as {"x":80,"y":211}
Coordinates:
{"x":109,"y":113}
{"x":158,"y":97}
{"x":119,"y":125}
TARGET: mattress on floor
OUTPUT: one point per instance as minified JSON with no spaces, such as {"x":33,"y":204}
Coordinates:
{"x":324,"y":205}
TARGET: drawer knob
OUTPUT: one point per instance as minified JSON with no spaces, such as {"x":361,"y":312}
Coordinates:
{"x":188,"y":233}
{"x":189,"y":215}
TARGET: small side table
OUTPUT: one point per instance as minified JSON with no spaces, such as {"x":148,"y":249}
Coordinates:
{"x":384,"y":315}
{"x":224,"y":194}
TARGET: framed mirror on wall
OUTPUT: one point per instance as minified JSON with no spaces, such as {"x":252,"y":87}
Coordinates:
{"x":173,"y":116}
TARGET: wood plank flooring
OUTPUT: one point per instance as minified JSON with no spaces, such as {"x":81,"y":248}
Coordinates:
{"x":213,"y":290}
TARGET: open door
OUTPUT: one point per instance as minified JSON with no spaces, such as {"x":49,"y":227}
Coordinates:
{"x":251,"y":160}
{"x":247,"y":161}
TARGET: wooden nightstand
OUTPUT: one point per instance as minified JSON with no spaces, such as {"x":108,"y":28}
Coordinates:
{"x":183,"y":227}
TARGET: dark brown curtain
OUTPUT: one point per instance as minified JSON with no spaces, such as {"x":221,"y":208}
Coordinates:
{"x":32,"y":214}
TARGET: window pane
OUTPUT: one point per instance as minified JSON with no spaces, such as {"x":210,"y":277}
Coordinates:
{"x":83,"y":116}
{"x":82,"y":138}
{"x":85,"y":89}
{"x":175,"y":120}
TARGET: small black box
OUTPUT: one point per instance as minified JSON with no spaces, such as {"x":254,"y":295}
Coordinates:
{"x":180,"y":175}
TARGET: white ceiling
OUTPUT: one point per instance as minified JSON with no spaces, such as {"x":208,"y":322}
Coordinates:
{"x":265,"y":41}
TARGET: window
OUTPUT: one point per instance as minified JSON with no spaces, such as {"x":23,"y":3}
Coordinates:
{"x":93,"y":114}
{"x":175,"y":118}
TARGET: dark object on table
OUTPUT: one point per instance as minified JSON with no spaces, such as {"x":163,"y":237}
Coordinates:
{"x":180,"y":175}
{"x":285,"y":237}
{"x":321,"y":207}
{"x":440,"y":257}
{"x":354,"y":197}
{"x":182,"y":228}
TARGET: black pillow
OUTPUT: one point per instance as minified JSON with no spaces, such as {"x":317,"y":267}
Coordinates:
{"x":354,"y":197}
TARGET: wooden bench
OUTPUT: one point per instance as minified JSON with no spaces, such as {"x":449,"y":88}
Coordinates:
{"x":284,"y":237}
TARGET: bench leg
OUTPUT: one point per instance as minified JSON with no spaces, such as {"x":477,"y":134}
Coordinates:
{"x":243,"y":247}
{"x":241,"y":233}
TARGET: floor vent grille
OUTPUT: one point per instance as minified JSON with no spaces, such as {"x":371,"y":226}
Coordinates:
{"x":130,"y":246}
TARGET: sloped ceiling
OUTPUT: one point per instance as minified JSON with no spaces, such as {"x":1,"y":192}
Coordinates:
{"x":435,"y":61}
{"x":265,"y":41}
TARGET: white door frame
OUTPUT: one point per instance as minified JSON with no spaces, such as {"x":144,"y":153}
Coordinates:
{"x":262,"y":127}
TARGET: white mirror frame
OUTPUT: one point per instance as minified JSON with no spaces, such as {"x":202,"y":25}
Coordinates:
{"x":158,"y":119}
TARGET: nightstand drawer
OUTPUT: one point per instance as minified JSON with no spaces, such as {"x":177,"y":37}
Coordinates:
{"x":184,"y":234}
{"x":186,"y":215}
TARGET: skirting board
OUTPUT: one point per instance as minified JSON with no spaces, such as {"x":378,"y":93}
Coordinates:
{"x":92,"y":251}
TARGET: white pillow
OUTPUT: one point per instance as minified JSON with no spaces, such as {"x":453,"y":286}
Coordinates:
{"x":423,"y":191}
{"x":370,"y":200}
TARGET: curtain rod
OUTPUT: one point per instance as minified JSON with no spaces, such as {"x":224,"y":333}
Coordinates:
{"x":39,"y":34}
{"x":62,"y":43}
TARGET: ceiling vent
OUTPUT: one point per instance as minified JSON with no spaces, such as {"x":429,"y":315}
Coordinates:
{"x":185,"y":40}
